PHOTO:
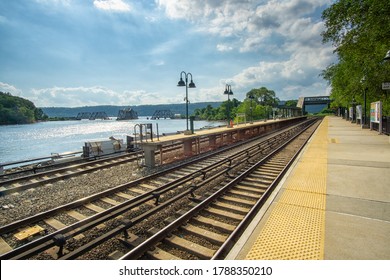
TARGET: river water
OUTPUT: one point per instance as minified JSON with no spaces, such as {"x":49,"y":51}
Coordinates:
{"x":21,"y":142}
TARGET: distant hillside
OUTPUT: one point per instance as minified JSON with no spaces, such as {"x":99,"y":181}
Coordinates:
{"x":18,"y":110}
{"x":142,"y":110}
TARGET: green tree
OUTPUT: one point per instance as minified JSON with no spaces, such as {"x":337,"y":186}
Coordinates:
{"x":219,"y":113}
{"x":359,"y":30}
{"x":258,"y":103}
{"x":40,"y":115}
{"x":291,"y":103}
{"x":228,"y":107}
{"x":263,"y":96}
{"x":17,"y":110}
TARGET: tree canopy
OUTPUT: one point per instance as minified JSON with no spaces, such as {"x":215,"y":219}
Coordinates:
{"x":359,"y":30}
{"x":263,"y":96}
{"x":219,"y":113}
{"x":257,"y":105}
{"x":17,"y":110}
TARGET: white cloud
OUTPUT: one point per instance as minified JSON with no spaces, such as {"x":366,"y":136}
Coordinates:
{"x":166,"y":47}
{"x":250,"y":22}
{"x":76,"y":96}
{"x":315,"y":89}
{"x":264,"y":72}
{"x":224,"y":48}
{"x":112,"y":5}
{"x":285,"y":34}
{"x":141,"y":97}
{"x":56,"y":2}
{"x":209,"y":94}
{"x":4,"y":87}
{"x":253,"y":43}
{"x":299,"y":71}
{"x":96,"y":95}
{"x":159,"y":63}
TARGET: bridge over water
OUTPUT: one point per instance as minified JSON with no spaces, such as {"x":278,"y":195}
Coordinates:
{"x":91,"y":116}
{"x":163,"y":114}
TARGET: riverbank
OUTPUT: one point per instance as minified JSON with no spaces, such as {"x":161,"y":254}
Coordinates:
{"x":20,"y":142}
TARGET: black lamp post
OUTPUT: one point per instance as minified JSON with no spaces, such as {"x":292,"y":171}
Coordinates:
{"x":251,"y":97}
{"x":228,"y":91}
{"x":181,"y":83}
{"x":353,"y":103}
{"x":363,"y":81}
{"x":387,"y":59}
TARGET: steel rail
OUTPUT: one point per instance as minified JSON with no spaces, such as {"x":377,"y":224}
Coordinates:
{"x":30,"y":185}
{"x":141,"y":249}
{"x":41,"y":180}
{"x":51,"y":240}
{"x":236,"y":234}
{"x":119,"y":157}
{"x":34,"y":167}
{"x":80,"y":202}
{"x":87,"y":247}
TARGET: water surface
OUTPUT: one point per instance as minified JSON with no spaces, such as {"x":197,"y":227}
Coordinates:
{"x":20,"y":142}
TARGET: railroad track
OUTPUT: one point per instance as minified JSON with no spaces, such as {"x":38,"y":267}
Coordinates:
{"x":211,"y":228}
{"x":118,"y":210}
{"x":22,"y":180}
{"x":12,"y":183}
{"x":35,"y":177}
{"x":200,"y":232}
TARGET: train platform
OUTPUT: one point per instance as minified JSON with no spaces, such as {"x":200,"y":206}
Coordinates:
{"x":333,"y":204}
{"x":215,"y":137}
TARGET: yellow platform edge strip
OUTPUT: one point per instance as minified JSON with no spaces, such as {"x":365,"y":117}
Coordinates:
{"x":295,"y":229}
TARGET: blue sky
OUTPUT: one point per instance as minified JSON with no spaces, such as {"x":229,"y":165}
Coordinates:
{"x":126,"y":52}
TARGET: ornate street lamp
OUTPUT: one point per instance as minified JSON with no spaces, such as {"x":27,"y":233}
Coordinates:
{"x":228,"y":91}
{"x":181,"y":83}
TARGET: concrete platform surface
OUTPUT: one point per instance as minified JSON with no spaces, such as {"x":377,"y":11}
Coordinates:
{"x":334,"y":203}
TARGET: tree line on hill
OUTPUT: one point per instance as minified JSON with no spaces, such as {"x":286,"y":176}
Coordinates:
{"x":112,"y":110}
{"x":17,"y":110}
{"x":257,"y":104}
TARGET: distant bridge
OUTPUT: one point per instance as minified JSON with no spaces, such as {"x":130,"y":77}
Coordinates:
{"x":163,"y":114}
{"x":91,"y":116}
{"x":313,"y":100}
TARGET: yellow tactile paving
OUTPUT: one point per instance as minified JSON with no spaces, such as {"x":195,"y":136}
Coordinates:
{"x":304,"y":199}
{"x":309,"y":177}
{"x":295,"y":228}
{"x":291,"y":233}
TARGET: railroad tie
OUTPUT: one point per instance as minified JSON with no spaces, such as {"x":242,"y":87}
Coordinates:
{"x":213,"y":237}
{"x":28,"y":232}
{"x":191,"y":247}
{"x":159,"y":254}
{"x":4,"y":247}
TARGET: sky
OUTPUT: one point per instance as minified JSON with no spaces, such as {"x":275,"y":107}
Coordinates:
{"x":71,"y":53}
